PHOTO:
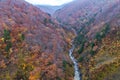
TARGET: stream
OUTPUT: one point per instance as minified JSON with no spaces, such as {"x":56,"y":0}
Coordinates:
{"x":76,"y":68}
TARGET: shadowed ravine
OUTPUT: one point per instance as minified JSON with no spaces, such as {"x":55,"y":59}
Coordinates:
{"x":76,"y":68}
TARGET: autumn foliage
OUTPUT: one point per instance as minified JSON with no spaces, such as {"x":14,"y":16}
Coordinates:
{"x":32,"y":44}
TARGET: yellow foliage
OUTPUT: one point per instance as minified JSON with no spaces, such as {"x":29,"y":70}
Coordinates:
{"x":106,"y":60}
{"x":8,"y":76}
{"x":2,"y":39}
{"x":24,"y":66}
{"x":11,"y":50}
{"x":68,"y":40}
{"x":19,"y":34}
{"x":34,"y":75}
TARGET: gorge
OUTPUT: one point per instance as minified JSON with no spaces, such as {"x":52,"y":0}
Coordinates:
{"x":36,"y":42}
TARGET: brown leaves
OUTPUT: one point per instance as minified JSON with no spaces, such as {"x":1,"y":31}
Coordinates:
{"x":95,"y":48}
{"x":43,"y":43}
{"x":2,"y":64}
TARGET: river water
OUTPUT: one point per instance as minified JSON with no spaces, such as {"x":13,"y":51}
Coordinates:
{"x":76,"y":68}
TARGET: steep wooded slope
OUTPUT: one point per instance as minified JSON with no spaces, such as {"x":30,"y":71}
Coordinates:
{"x":32,"y":44}
{"x":97,"y":25}
{"x":84,"y":12}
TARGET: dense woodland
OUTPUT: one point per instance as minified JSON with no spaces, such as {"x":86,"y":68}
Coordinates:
{"x":34,"y":45}
{"x":98,"y":36}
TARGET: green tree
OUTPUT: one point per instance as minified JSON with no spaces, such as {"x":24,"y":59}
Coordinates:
{"x":7,"y":37}
{"x":80,"y":59}
{"x":22,"y":37}
{"x":81,"y":48}
{"x":102,"y":33}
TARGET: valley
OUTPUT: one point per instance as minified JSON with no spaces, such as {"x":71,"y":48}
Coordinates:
{"x":79,"y":40}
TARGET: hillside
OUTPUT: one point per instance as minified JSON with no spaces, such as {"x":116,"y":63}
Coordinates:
{"x":83,"y":12}
{"x":84,"y":34}
{"x":96,"y":23}
{"x":32,"y":44}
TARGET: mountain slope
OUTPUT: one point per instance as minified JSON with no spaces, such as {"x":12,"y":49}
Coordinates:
{"x":97,"y":25}
{"x":32,"y":44}
{"x":84,"y":12}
